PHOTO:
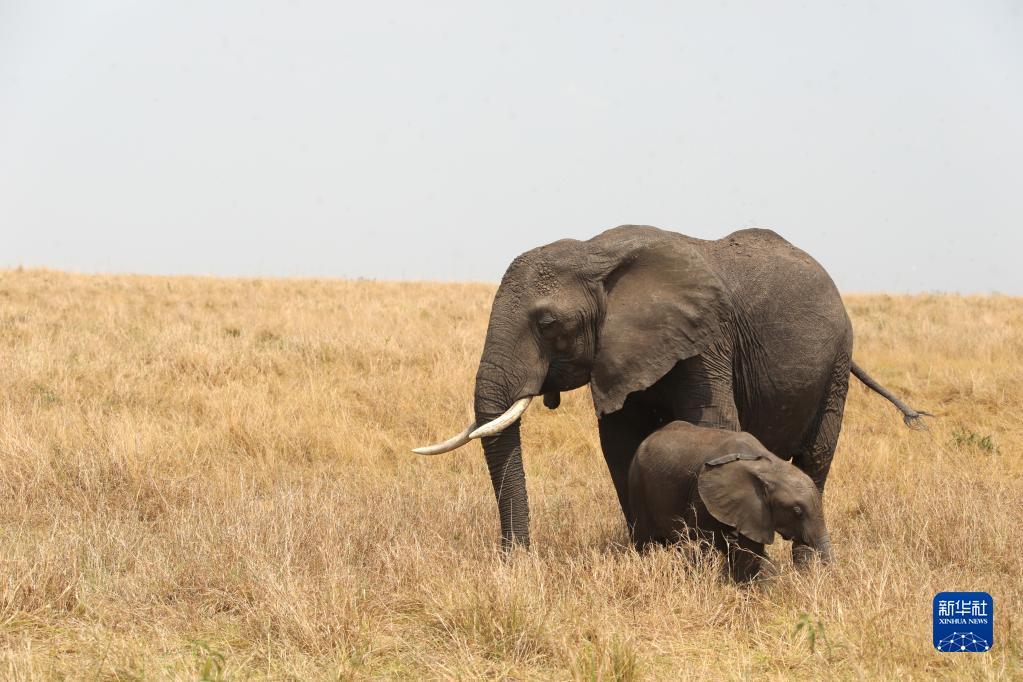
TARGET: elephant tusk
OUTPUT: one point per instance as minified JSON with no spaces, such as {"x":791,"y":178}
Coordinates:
{"x":492,"y":428}
{"x":448,"y":445}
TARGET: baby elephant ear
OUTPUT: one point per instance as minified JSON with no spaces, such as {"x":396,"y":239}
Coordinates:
{"x":736,"y":496}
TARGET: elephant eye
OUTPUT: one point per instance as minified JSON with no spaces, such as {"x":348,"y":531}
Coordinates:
{"x":797,"y":510}
{"x":549,"y":326}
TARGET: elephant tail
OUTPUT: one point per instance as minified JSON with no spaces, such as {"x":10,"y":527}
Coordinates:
{"x":913,"y":418}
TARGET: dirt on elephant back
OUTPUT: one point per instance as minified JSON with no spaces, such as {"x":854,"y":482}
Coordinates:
{"x":211,"y":477}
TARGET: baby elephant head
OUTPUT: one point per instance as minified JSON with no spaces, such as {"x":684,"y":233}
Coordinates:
{"x":760,"y":495}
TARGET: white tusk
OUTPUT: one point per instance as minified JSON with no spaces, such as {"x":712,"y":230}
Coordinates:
{"x":492,"y":428}
{"x":448,"y":445}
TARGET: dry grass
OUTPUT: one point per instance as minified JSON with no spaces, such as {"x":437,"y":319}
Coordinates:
{"x":210,"y":478}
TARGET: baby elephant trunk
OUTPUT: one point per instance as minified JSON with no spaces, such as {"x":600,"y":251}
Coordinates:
{"x":824,"y":549}
{"x":821,"y":547}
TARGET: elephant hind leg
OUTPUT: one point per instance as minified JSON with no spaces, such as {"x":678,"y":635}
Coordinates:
{"x":818,"y":450}
{"x":816,"y":456}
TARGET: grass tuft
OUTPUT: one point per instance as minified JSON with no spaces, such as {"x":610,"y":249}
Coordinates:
{"x":965,"y":438}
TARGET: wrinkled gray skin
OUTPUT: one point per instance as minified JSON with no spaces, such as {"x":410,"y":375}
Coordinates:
{"x":742,"y":333}
{"x":726,"y":488}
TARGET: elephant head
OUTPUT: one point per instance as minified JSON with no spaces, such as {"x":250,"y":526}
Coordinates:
{"x":760,"y":496}
{"x":617,"y":311}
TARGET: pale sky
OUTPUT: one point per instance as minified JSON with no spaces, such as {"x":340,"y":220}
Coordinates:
{"x":439,"y":140}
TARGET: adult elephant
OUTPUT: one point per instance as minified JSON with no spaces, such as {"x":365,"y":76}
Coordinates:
{"x":745,"y":332}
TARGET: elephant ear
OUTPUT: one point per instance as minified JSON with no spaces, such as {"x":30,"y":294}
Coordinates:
{"x":736,"y":496}
{"x":663,"y":304}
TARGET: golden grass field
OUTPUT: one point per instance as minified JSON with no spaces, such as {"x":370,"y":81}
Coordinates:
{"x":209,"y":478}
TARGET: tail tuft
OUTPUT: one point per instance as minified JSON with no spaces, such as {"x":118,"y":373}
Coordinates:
{"x":914,"y":420}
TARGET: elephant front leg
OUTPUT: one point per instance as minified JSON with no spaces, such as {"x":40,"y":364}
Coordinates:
{"x":744,"y":558}
{"x":621,"y":433}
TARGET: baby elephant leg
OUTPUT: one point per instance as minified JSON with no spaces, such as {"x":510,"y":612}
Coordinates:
{"x":744,"y":559}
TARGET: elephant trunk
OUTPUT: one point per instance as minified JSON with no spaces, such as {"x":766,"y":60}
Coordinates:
{"x":512,"y":368}
{"x":504,"y":460}
{"x":506,"y":376}
{"x":823,"y":549}
{"x":820,"y":547}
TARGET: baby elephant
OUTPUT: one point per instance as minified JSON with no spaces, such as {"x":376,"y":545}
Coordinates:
{"x":724,"y":487}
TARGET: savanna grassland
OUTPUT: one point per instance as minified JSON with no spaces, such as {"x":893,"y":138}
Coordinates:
{"x":205,"y":478}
